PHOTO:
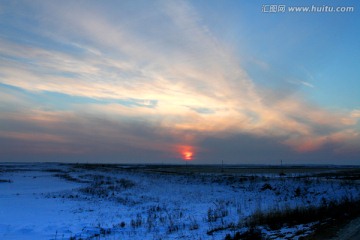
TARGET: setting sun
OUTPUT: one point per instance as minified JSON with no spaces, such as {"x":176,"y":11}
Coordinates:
{"x":187,"y":152}
{"x":188,"y":156}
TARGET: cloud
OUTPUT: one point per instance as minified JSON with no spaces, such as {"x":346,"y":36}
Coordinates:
{"x":161,"y":77}
{"x":307,"y":84}
{"x":39,"y":137}
{"x":303,"y":83}
{"x":355,"y":114}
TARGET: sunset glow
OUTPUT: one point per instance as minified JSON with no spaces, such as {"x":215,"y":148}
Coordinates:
{"x":131,"y":80}
{"x":187,"y":153}
{"x":188,"y":156}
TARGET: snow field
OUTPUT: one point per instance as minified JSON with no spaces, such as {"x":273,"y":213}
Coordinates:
{"x":56,"y":201}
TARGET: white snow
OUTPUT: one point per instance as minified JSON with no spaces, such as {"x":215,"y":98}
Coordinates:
{"x":57,"y":201}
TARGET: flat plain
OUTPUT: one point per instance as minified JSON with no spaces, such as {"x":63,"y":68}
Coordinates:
{"x":124,"y":201}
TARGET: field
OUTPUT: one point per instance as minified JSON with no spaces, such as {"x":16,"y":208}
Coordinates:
{"x":97,"y":201}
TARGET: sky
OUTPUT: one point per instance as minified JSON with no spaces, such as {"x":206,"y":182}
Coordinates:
{"x":200,"y":81}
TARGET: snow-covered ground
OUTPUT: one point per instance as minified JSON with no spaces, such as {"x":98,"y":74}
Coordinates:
{"x":59,"y":201}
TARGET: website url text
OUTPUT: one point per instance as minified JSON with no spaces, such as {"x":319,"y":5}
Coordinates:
{"x":271,"y":8}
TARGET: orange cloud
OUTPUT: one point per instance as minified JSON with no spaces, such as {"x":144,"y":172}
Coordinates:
{"x":200,"y":73}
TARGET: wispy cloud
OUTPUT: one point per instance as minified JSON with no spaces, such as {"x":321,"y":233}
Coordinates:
{"x":355,"y":114}
{"x":179,"y":82}
{"x":307,"y":84}
{"x":303,"y":83}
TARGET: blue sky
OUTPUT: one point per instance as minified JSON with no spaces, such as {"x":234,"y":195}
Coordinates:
{"x":167,"y":81}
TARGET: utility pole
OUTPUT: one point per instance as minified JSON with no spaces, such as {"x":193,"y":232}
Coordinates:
{"x":282,"y":173}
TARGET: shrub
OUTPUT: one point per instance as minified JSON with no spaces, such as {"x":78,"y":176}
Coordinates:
{"x":300,"y":215}
{"x":193,"y":225}
{"x":251,"y":234}
{"x":297,"y":192}
{"x":5,"y":181}
{"x":220,"y":211}
{"x":135,"y":223}
{"x":125,"y":183}
{"x":266,"y":186}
